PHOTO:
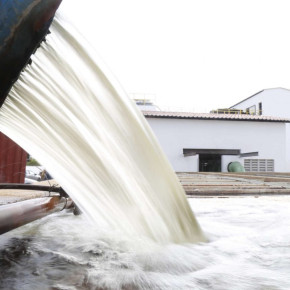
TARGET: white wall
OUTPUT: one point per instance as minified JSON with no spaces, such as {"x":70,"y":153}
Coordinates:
{"x":268,"y":138}
{"x":288,"y":146}
{"x":275,"y":102}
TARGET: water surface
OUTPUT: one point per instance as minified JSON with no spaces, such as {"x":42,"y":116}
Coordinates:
{"x":249,"y":248}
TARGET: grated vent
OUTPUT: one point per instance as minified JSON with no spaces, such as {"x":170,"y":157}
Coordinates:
{"x":259,"y":165}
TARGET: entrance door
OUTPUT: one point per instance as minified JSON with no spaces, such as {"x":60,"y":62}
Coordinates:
{"x":210,"y":162}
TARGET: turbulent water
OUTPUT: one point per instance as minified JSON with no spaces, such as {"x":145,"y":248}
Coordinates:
{"x":70,"y":114}
{"x":248,"y":249}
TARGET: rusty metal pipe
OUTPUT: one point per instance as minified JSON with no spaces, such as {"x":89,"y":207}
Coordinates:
{"x":35,"y":187}
{"x":20,"y":213}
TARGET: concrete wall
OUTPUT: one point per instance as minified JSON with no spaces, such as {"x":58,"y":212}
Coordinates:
{"x":268,"y":138}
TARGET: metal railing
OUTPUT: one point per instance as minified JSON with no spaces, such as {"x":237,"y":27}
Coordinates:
{"x":237,"y":112}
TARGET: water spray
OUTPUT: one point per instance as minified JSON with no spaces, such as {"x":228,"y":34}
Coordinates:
{"x":24,"y":25}
{"x":70,"y":112}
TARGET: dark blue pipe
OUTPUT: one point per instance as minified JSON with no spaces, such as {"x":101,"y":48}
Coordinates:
{"x":23,"y":26}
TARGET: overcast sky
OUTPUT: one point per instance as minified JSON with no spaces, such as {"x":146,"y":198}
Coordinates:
{"x":188,"y":54}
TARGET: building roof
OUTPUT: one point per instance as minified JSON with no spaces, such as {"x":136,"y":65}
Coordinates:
{"x":247,"y":99}
{"x":209,"y":116}
{"x":257,"y":94}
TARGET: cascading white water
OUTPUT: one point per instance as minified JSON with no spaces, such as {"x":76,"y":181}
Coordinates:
{"x":70,"y":114}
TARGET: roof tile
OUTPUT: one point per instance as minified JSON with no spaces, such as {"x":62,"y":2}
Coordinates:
{"x":210,"y":116}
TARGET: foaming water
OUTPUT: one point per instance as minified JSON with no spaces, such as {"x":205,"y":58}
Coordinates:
{"x":70,"y":114}
{"x":248,"y":249}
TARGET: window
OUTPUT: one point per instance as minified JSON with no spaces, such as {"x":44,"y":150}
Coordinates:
{"x":251,"y":110}
{"x":259,"y":165}
{"x":260,"y":109}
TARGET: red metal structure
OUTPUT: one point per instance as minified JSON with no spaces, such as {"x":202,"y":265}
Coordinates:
{"x":12,"y":161}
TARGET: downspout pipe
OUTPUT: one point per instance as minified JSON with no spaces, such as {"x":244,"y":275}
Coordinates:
{"x":24,"y":25}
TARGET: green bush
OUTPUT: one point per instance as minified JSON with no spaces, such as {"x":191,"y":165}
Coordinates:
{"x":32,"y":162}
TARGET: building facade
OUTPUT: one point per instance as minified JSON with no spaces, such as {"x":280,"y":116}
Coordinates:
{"x":270,"y":102}
{"x":209,"y":142}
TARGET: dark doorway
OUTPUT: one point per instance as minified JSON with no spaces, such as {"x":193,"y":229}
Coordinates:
{"x":210,"y":162}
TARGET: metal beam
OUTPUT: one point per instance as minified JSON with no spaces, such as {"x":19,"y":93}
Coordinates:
{"x":249,"y":154}
{"x":192,"y":151}
{"x":36,"y":187}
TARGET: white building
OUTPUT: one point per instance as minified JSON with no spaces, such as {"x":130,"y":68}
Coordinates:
{"x":270,"y":102}
{"x":209,"y":142}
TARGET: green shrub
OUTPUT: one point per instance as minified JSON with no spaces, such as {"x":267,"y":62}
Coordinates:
{"x":32,"y":162}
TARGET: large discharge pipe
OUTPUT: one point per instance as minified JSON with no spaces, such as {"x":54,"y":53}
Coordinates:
{"x":23,"y":26}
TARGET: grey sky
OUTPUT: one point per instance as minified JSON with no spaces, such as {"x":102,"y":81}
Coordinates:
{"x":188,"y":54}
